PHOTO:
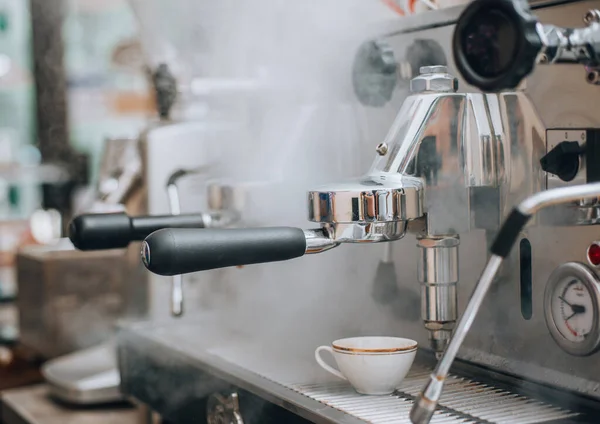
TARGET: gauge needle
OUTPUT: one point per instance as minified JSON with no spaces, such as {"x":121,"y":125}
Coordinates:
{"x":571,"y":316}
{"x":565,"y":300}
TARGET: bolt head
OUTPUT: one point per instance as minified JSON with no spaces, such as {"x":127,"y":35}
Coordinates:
{"x":382,"y":149}
{"x":593,"y":77}
{"x":436,"y":82}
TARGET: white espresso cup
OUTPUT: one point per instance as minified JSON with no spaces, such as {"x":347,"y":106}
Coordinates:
{"x":372,"y":365}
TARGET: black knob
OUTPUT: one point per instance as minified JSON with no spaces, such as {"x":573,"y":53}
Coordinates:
{"x":165,"y":86}
{"x":117,"y":230}
{"x":374,"y":73}
{"x":563,"y":160}
{"x":181,"y":251}
{"x":496,"y":43}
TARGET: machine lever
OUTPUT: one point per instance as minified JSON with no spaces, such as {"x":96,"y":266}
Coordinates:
{"x":117,"y":230}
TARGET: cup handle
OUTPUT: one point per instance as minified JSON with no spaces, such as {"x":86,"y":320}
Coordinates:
{"x":326,"y":367}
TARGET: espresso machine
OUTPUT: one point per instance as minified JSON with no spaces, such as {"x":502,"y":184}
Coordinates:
{"x":493,"y":146}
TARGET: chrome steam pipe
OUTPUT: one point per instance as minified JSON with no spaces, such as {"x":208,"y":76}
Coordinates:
{"x":438,"y":276}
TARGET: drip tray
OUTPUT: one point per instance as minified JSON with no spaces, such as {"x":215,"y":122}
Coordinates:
{"x":464,"y":401}
{"x":190,"y":368}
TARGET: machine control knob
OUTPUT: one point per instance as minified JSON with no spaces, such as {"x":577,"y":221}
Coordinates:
{"x":374,"y":73}
{"x":563,"y":160}
{"x":496,"y":43}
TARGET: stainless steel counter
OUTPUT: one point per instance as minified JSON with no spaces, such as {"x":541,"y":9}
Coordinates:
{"x":173,"y":367}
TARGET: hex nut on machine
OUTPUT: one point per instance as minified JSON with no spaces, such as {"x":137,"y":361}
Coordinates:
{"x":434,"y":78}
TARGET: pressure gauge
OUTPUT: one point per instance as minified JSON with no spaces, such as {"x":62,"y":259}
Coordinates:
{"x":572,"y":308}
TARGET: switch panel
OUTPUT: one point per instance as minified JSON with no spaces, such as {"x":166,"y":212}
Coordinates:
{"x":572,"y":156}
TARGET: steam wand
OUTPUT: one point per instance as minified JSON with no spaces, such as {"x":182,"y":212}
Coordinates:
{"x":426,"y":402}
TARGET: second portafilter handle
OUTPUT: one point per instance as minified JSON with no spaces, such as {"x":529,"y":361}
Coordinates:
{"x":117,"y":230}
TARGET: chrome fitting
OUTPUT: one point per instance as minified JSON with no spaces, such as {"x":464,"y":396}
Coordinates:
{"x":434,"y":79}
{"x":438,"y":275}
{"x":426,"y":402}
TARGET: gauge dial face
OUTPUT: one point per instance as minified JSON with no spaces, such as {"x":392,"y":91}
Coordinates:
{"x":572,"y":309}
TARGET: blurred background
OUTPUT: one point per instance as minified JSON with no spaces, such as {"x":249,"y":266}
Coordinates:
{"x":63,"y":91}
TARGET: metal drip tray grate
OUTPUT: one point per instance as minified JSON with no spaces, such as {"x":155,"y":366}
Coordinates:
{"x":463,"y":401}
{"x":383,"y":409}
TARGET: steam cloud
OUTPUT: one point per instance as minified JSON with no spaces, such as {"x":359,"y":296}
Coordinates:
{"x":303,"y":128}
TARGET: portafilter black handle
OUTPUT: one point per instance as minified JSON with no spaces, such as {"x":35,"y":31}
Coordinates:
{"x":117,"y":230}
{"x":181,"y":251}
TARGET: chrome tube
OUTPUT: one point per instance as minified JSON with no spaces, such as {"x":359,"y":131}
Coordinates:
{"x":177,"y":296}
{"x":318,"y":241}
{"x":557,"y":196}
{"x":426,"y":402}
{"x":174,"y":203}
{"x":177,"y":280}
{"x":438,"y":276}
{"x":175,"y":209}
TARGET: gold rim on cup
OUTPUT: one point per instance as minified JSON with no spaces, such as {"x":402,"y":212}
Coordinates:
{"x":359,"y":350}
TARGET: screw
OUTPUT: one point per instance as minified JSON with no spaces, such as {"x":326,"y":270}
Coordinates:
{"x":591,"y":16}
{"x":382,"y":149}
{"x":593,"y":77}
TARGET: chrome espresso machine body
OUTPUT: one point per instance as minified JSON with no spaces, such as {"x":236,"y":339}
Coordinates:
{"x":455,"y":163}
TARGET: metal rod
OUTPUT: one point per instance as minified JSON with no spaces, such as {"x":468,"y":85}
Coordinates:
{"x":387,"y":253}
{"x":426,"y":401}
{"x":177,"y":280}
{"x":466,"y":320}
{"x":174,"y":203}
{"x":557,"y":196}
{"x":177,"y":295}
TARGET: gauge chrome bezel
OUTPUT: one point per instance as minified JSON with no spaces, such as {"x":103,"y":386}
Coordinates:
{"x":582,"y":272}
